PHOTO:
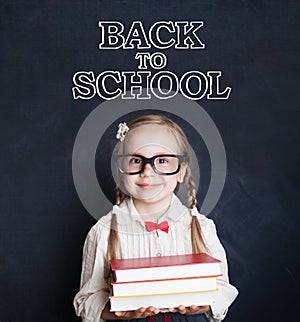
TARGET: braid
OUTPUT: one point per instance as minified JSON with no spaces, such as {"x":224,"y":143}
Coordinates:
{"x":113,"y":238}
{"x":120,"y":196}
{"x":198,"y":243}
{"x":191,"y":188}
{"x":112,"y":245}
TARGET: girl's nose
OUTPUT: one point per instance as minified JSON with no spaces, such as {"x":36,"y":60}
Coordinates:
{"x":148,"y":171}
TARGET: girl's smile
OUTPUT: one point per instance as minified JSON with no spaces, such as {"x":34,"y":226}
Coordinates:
{"x":148,"y":186}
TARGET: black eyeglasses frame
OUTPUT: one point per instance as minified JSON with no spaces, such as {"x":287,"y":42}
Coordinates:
{"x":181,"y":158}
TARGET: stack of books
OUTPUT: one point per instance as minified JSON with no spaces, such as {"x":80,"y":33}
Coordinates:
{"x":164,"y":281}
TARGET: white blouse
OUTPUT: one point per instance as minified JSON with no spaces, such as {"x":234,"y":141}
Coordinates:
{"x":135,"y":241}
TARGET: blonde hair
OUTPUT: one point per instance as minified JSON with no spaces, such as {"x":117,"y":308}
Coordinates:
{"x":197,"y":240}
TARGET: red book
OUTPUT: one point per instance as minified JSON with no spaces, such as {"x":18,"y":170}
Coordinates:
{"x":164,"y":267}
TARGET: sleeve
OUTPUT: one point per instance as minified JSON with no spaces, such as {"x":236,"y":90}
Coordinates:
{"x":94,"y":291}
{"x":226,"y":292}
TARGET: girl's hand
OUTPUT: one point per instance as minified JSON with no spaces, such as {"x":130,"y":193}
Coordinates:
{"x":137,"y":314}
{"x":193,"y":309}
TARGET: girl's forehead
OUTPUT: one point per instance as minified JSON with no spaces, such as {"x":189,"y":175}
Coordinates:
{"x":153,"y":138}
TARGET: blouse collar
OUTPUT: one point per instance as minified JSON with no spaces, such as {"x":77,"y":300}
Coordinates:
{"x":126,"y":213}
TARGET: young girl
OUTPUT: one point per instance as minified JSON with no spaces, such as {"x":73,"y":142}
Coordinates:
{"x":152,"y":160}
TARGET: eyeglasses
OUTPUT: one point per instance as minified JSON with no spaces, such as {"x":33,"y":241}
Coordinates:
{"x":165,"y":164}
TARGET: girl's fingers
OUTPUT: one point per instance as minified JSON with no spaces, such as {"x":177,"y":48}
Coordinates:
{"x":131,"y":314}
{"x":172,"y":309}
{"x":151,"y":310}
{"x":145,"y":312}
{"x":194,"y":308}
{"x":141,"y":310}
{"x":119,"y":313}
{"x":181,"y":309}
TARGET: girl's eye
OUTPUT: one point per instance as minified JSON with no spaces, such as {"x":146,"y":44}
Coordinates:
{"x":161,"y":161}
{"x":135,"y":161}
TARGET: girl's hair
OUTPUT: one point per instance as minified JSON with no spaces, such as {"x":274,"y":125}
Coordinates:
{"x":198,"y":244}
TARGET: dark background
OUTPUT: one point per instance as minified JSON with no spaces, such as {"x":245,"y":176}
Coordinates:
{"x":43,"y":223}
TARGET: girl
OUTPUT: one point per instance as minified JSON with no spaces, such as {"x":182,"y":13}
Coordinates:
{"x":152,"y":160}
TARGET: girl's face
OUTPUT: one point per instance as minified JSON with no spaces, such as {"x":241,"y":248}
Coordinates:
{"x":148,"y":187}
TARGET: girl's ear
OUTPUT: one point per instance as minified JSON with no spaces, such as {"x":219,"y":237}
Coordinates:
{"x":182,"y":172}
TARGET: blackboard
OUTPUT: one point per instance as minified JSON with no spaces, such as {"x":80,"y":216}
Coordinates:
{"x":43,"y":222}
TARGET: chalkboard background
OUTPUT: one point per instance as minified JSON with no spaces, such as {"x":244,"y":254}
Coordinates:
{"x":43,"y":223}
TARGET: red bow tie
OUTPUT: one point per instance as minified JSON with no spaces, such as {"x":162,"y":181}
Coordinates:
{"x":150,"y":226}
